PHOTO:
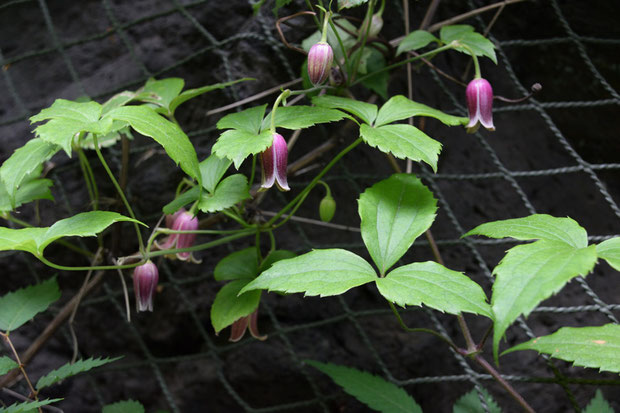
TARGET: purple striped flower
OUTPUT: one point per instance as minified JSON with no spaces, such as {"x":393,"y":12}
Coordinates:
{"x":145,"y":279}
{"x":480,"y":104}
{"x":320,"y":59}
{"x":274,"y":161}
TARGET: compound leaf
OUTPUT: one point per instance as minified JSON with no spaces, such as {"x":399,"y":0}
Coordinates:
{"x":399,"y":107}
{"x":537,"y":226}
{"x":300,"y":117}
{"x":320,"y":272}
{"x":609,"y":250}
{"x":598,"y":404}
{"x":237,"y":144}
{"x":229,"y":306}
{"x":365,"y":111}
{"x":174,"y":141}
{"x":231,"y":190}
{"x":435,"y":286}
{"x":531,"y":273}
{"x":248,"y":120}
{"x":71,"y":369}
{"x":27,"y":407}
{"x":415,"y":40}
{"x":595,"y":347}
{"x":17,"y":307}
{"x":7,"y":364}
{"x":375,"y":392}
{"x":394,"y":212}
{"x":403,"y":141}
{"x":192,"y":93}
{"x":465,"y":35}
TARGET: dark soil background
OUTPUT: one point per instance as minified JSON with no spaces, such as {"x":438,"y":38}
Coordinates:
{"x":557,"y":154}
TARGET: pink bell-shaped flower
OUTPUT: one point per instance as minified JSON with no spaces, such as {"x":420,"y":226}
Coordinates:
{"x":238,"y":328}
{"x":480,"y":105}
{"x":274,"y":161}
{"x":145,"y":279}
{"x":181,"y":221}
{"x":320,"y":59}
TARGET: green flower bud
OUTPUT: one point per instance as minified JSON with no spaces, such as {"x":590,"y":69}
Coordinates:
{"x":327,"y":208}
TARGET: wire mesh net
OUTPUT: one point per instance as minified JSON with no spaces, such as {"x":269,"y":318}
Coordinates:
{"x":554,"y":153}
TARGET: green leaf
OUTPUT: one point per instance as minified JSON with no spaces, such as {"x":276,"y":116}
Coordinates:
{"x":66,"y":119}
{"x":299,"y":117}
{"x":470,"y":403}
{"x":161,"y":92}
{"x":320,"y":272}
{"x":610,"y":251}
{"x":237,"y":144}
{"x":230,"y":191}
{"x":7,"y":364}
{"x":192,"y":93}
{"x":538,"y":226}
{"x":399,"y":107}
{"x":17,"y":307}
{"x":27,"y":407}
{"x":415,"y":40}
{"x":229,"y":306}
{"x":23,"y":239}
{"x":275,"y":256}
{"x":466,"y":35}
{"x":598,"y":404}
{"x":23,"y":162}
{"x":378,"y":82}
{"x":403,"y":141}
{"x":126,"y":406}
{"x":86,"y":224}
{"x":375,"y":392}
{"x":174,"y":141}
{"x":248,"y":120}
{"x":347,"y":4}
{"x":531,"y":273}
{"x":595,"y":347}
{"x":212,"y":170}
{"x":28,"y":191}
{"x":238,"y":265}
{"x":185,"y":198}
{"x":365,"y":111}
{"x":118,"y":100}
{"x":394,"y":213}
{"x":435,"y":286}
{"x":71,"y":369}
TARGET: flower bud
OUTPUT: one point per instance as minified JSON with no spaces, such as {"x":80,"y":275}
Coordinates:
{"x":479,"y":95}
{"x":327,"y":208}
{"x":320,"y":59}
{"x":274,"y":161}
{"x":182,"y":221}
{"x":145,"y":279}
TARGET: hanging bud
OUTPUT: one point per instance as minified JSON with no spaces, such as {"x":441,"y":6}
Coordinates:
{"x":238,"y":328}
{"x":274,"y":161}
{"x":145,"y":279}
{"x":480,"y":105}
{"x":320,"y":59}
{"x":327,"y":208}
{"x":182,"y":221}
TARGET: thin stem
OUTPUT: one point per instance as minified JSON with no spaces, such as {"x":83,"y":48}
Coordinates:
{"x":420,"y":329}
{"x":119,"y":190}
{"x":326,"y":19}
{"x":96,"y":267}
{"x":474,"y":58}
{"x":328,"y":191}
{"x":224,"y":240}
{"x":21,"y":366}
{"x":316,"y":19}
{"x":236,"y":219}
{"x":307,"y":189}
{"x":362,"y":39}
{"x":259,"y":255}
{"x":87,"y":177}
{"x":253,"y":172}
{"x":301,"y":201}
{"x":283,"y":95}
{"x":485,"y":365}
{"x":411,"y":59}
{"x":342,"y":48}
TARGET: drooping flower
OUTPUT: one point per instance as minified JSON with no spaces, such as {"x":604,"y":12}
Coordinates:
{"x":181,"y":221}
{"x":480,"y":105}
{"x":145,"y":279}
{"x":320,"y":59}
{"x":238,"y":328}
{"x":274,"y":161}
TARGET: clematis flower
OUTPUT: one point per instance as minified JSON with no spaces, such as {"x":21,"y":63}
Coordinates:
{"x":145,"y":279}
{"x":181,"y":221}
{"x":480,"y":105}
{"x":320,"y":59}
{"x":238,"y":328}
{"x":274,"y":161}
